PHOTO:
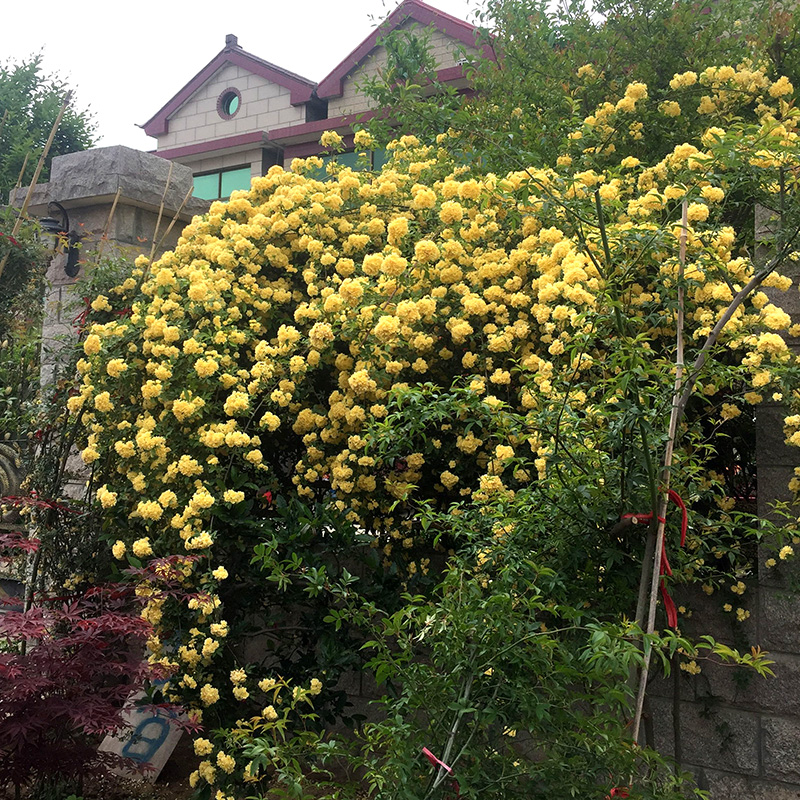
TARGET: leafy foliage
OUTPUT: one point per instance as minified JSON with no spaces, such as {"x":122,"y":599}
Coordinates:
{"x":29,"y":104}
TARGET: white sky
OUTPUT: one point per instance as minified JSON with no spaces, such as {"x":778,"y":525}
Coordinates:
{"x":126,"y":59}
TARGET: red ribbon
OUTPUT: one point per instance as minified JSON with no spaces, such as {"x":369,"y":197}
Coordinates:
{"x":438,"y":763}
{"x":665,"y":569}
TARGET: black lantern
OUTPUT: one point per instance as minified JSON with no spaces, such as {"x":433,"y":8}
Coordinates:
{"x":63,"y":236}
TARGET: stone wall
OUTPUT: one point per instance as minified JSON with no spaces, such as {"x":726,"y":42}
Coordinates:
{"x":738,"y":733}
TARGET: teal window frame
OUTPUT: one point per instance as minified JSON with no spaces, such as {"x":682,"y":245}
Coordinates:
{"x":352,"y":159}
{"x":221,"y":183}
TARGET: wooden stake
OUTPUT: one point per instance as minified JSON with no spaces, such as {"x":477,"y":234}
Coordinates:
{"x":156,"y":247}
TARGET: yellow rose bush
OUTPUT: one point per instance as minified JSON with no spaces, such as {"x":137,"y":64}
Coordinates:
{"x":316,"y":360}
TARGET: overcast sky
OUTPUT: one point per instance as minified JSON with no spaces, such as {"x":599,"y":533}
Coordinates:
{"x":125,"y":60}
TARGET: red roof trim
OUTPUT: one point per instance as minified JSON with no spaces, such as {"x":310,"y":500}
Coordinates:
{"x":301,"y":88}
{"x":318,"y":126}
{"x":306,"y":149}
{"x":256,"y":137}
{"x":331,"y":86}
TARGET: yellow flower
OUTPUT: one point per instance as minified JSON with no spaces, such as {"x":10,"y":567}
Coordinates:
{"x":786,"y":552}
{"x":237,"y":403}
{"x":202,"y":747}
{"x":269,"y":713}
{"x":233,"y":497}
{"x":220,"y":573}
{"x":142,"y":548}
{"x":118,"y":549}
{"x":150,"y":510}
{"x":107,"y":499}
{"x":781,"y":87}
{"x":205,"y":367}
{"x":363,"y":138}
{"x":210,"y":646}
{"x":225,"y":762}
{"x":116,"y":367}
{"x":330,"y":139}
{"x":91,"y":345}
{"x":697,"y":212}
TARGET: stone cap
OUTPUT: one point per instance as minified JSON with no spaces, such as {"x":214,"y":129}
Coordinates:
{"x":93,"y":176}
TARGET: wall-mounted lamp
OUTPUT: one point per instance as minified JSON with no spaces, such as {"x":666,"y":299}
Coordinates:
{"x":63,"y":236}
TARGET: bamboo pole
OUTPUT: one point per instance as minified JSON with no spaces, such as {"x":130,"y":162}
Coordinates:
{"x":37,"y":172}
{"x":104,"y":237}
{"x":22,"y":171}
{"x":155,"y":248}
{"x":161,"y":210}
{"x":175,"y":217}
{"x":665,"y":476}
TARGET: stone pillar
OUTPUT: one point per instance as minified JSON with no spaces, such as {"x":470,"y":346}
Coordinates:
{"x":86,"y":184}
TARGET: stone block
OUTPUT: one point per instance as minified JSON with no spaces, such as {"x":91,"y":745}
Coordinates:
{"x":709,"y":618}
{"x":725,"y":786}
{"x":780,"y":694}
{"x":727,"y":684}
{"x":781,"y":748}
{"x":778,"y":616}
{"x":766,"y":221}
{"x":771,"y":447}
{"x":773,"y":486}
{"x":152,"y":738}
{"x":784,"y":575}
{"x":79,"y":179}
{"x":711,"y":736}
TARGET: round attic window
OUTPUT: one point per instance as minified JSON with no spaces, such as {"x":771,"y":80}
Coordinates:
{"x":229,"y":103}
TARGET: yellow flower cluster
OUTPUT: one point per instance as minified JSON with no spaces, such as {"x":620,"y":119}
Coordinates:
{"x":269,"y":342}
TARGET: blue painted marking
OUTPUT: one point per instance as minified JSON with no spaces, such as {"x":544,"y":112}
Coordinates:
{"x":145,"y":740}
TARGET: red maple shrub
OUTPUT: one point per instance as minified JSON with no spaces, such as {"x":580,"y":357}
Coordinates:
{"x":67,"y":667}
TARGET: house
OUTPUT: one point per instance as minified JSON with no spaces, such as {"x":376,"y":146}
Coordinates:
{"x":240,"y":115}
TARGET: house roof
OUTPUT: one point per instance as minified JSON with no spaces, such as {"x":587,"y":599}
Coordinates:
{"x":301,"y":88}
{"x":414,"y":10}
